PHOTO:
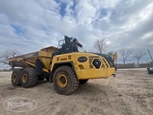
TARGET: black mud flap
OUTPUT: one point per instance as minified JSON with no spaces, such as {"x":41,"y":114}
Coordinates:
{"x":39,"y":67}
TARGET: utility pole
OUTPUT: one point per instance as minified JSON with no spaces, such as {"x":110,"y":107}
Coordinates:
{"x":150,"y":55}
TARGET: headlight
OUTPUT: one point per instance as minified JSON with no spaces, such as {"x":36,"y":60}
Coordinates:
{"x":96,"y":63}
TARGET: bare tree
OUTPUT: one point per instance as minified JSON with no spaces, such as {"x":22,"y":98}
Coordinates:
{"x":100,"y":45}
{"x":125,"y":53}
{"x":150,"y":56}
{"x":138,"y":56}
{"x":4,"y":57}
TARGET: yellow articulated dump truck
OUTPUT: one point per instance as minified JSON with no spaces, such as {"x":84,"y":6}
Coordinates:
{"x":64,"y":66}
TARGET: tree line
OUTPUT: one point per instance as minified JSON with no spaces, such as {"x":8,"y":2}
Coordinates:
{"x":99,"y":46}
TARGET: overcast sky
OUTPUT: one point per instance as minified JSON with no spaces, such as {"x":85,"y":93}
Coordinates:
{"x":29,"y":25}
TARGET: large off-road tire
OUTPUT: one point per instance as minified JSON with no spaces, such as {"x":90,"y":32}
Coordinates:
{"x":15,"y":77}
{"x":83,"y":81}
{"x":65,"y":81}
{"x":28,"y":78}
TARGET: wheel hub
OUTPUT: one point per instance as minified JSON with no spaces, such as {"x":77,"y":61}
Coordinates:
{"x":62,"y":80}
{"x":14,"y":77}
{"x":24,"y":78}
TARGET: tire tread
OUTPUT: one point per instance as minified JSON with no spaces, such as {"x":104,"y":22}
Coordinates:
{"x":74,"y":78}
{"x":32,"y":80}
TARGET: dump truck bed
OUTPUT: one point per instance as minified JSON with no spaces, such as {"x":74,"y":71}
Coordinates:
{"x":27,"y":60}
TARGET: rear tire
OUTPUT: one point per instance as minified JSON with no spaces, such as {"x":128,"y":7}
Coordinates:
{"x":15,"y":77}
{"x":83,"y":81}
{"x":65,"y":81}
{"x":28,"y":78}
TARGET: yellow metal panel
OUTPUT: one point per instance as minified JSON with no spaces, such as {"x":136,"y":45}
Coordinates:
{"x":94,"y":73}
{"x":83,"y":69}
{"x":45,"y":56}
{"x":47,"y":52}
{"x":45,"y":61}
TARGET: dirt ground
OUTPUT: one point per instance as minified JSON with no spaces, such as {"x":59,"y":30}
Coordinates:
{"x":130,"y":93}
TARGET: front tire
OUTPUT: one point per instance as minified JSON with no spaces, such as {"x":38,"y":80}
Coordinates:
{"x":15,"y":77}
{"x":65,"y":81}
{"x":28,"y":78}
